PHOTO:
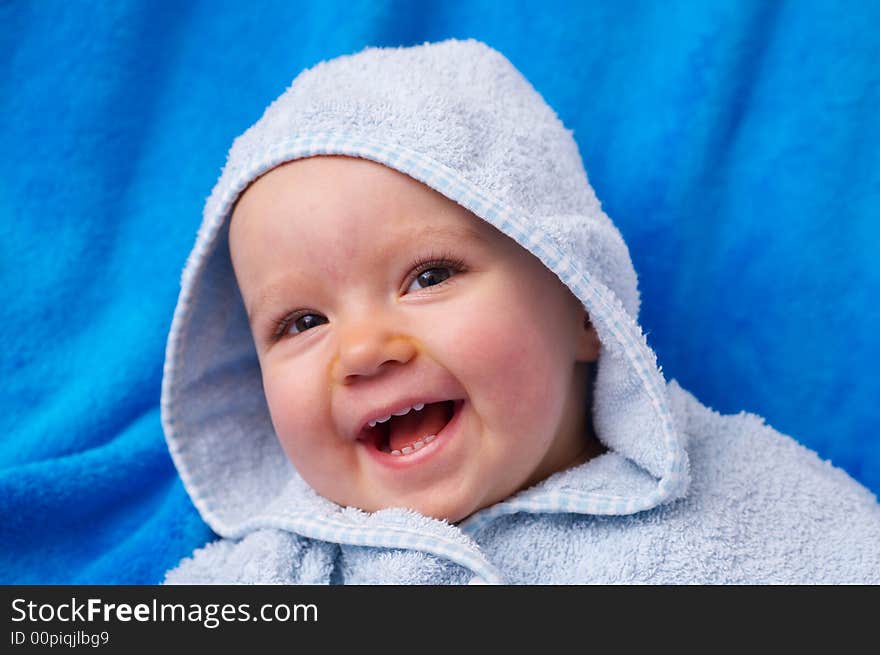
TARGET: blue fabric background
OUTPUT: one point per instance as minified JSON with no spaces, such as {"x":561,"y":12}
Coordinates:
{"x":736,"y":144}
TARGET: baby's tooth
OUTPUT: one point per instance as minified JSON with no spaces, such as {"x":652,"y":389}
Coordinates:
{"x":411,"y":448}
{"x":418,"y":407}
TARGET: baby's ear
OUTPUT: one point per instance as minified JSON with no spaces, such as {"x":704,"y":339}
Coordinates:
{"x":588,"y":342}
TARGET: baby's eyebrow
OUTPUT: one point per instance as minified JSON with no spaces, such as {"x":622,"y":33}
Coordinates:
{"x":455,"y":236}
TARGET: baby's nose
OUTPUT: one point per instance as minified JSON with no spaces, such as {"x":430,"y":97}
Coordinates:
{"x":364,"y":350}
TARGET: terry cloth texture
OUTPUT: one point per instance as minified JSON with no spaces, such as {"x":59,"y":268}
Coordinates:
{"x":682,"y":495}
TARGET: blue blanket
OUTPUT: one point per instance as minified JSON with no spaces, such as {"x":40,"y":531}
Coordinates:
{"x":749,"y":130}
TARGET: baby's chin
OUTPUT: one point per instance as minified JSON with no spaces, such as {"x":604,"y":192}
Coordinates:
{"x":450,"y":499}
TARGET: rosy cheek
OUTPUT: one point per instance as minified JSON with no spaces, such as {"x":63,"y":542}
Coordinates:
{"x":490,"y":358}
{"x":300,"y":413}
{"x":505,"y":360}
{"x":287,"y":403}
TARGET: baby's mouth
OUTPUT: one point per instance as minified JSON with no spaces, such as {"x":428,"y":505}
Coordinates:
{"x":404,"y":435}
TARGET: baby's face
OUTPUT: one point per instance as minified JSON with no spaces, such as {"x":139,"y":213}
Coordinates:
{"x":368,"y":293}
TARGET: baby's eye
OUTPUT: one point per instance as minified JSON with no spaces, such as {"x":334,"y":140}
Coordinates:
{"x":297,"y":323}
{"x":431,"y":277}
{"x":434,"y":270}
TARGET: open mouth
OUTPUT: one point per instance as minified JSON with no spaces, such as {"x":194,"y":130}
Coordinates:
{"x":404,"y":435}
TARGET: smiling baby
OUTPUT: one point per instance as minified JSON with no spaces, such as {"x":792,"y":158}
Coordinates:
{"x":407,"y":350}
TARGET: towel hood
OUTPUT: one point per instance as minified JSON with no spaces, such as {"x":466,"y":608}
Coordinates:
{"x":457,"y":116}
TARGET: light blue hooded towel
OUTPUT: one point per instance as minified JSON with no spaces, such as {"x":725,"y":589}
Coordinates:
{"x":682,"y":495}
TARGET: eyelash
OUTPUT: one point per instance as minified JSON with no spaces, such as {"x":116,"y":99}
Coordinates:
{"x":418,"y":266}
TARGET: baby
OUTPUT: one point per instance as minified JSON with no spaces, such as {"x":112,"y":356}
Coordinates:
{"x":413,"y":356}
{"x":407,"y":351}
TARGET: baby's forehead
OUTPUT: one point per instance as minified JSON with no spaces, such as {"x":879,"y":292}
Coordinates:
{"x":458,"y":227}
{"x":342,"y":208}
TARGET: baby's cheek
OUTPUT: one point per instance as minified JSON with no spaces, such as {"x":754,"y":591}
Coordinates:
{"x":508,"y":363}
{"x":300,"y":413}
{"x":292,"y":409}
